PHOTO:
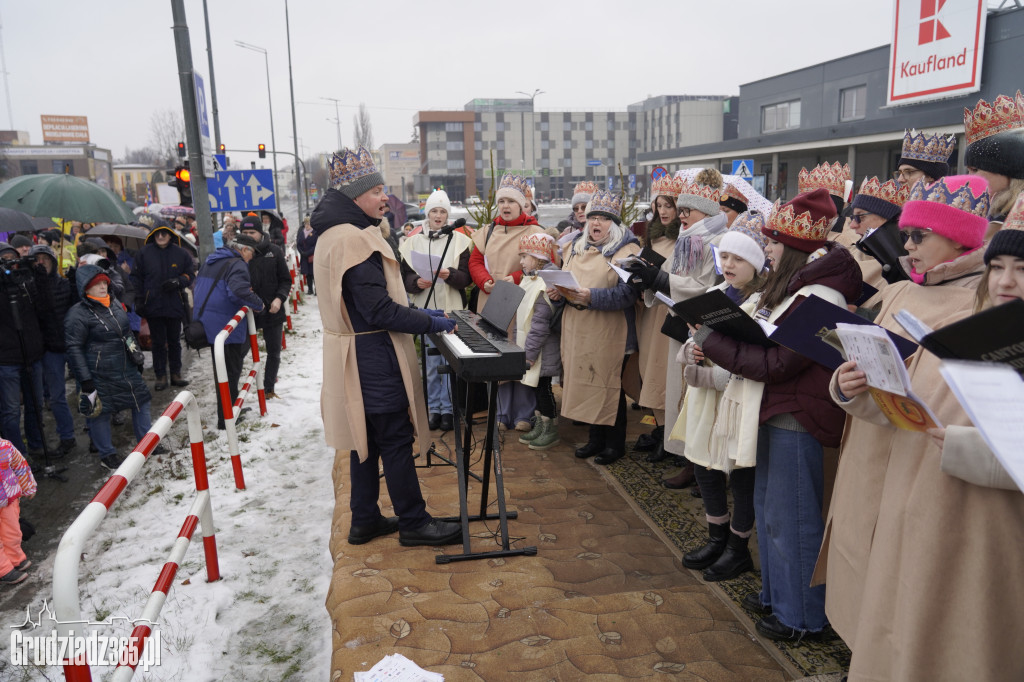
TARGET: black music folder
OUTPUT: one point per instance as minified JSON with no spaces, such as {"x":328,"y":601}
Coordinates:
{"x":718,"y":311}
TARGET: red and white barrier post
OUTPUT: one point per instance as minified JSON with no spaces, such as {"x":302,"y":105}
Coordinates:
{"x":255,"y":378}
{"x":66,"y":605}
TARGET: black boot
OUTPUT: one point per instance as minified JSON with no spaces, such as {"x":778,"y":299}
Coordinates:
{"x":595,"y":442}
{"x":702,"y":557}
{"x":734,"y":560}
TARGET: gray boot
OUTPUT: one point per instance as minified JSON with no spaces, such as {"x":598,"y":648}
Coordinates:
{"x":548,"y":435}
{"x":532,"y":433}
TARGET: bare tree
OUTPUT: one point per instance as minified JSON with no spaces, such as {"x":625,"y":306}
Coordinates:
{"x":363,"y":127}
{"x":317,"y":169}
{"x":166,"y":130}
{"x":144,"y":155}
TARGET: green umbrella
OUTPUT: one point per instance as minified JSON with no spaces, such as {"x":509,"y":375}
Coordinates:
{"x":64,"y":196}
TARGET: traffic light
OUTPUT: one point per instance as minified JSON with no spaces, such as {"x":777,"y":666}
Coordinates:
{"x":262,"y":150}
{"x":222,"y":148}
{"x":183,"y":183}
{"x":181,"y":149}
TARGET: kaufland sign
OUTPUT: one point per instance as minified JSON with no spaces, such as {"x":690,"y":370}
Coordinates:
{"x":936,"y":49}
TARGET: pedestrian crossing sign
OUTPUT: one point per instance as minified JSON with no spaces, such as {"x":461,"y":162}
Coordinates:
{"x":743,"y":168}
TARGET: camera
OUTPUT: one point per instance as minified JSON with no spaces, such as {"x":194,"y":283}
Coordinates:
{"x":17,"y":272}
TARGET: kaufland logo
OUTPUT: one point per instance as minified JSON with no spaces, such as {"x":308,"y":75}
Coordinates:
{"x":931,"y":29}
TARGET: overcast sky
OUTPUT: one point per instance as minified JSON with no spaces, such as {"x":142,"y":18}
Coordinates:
{"x":114,"y":60}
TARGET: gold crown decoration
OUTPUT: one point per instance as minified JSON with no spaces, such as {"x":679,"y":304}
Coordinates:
{"x":585,"y":187}
{"x":698,"y":190}
{"x":930,"y":148}
{"x":784,"y":219}
{"x":514,"y":182}
{"x":350,"y":166}
{"x":733,"y":191}
{"x":605,"y":202}
{"x":830,"y":178}
{"x":961,"y":198}
{"x":667,"y":186}
{"x":540,"y":244}
{"x":1003,"y":114}
{"x":890,"y":191}
{"x":1015,"y":218}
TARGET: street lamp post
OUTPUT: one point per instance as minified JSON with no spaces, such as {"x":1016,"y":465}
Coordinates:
{"x":270,"y":103}
{"x":337,"y":117}
{"x":532,"y":97}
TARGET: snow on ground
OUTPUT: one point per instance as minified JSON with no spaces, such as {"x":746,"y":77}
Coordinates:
{"x":265,"y":619}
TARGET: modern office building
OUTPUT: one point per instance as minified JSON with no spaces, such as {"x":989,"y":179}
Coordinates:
{"x":836,"y":111}
{"x":85,"y":160}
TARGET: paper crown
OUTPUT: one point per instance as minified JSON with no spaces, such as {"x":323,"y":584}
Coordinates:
{"x":698,"y":190}
{"x":800,"y":226}
{"x":962,"y":198}
{"x":831,"y":178}
{"x":605,"y":202}
{"x":516,"y":183}
{"x":666,"y":186}
{"x":1015,"y":218}
{"x":1003,"y":114}
{"x":890,"y":191}
{"x":349,"y":166}
{"x":733,"y":191}
{"x":585,"y":187}
{"x":539,"y":244}
{"x":929,"y":148}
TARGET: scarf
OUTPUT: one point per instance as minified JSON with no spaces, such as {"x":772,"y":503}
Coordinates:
{"x":656,"y":229}
{"x":105,"y":300}
{"x":688,"y":255}
{"x":523,"y":219}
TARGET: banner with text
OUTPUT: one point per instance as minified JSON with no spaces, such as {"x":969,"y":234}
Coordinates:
{"x":65,"y":128}
{"x":936,"y":51}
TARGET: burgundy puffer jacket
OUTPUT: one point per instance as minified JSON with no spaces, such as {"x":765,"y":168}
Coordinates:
{"x":793,"y":383}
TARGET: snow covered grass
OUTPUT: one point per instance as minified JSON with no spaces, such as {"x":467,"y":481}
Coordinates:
{"x":265,"y":619}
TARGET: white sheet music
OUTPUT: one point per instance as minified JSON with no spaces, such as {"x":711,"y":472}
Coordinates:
{"x":664,"y":299}
{"x":562,"y":278}
{"x":424,"y":264}
{"x":876,"y":355}
{"x":992,"y":395}
{"x":623,"y":275}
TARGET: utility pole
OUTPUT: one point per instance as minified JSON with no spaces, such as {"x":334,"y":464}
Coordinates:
{"x":299,"y":185}
{"x":337,"y":118}
{"x":213,"y":82}
{"x":200,"y":196}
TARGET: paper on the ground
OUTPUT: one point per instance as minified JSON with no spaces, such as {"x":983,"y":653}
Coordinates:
{"x":397,"y":668}
{"x":664,"y":299}
{"x":568,"y":237}
{"x":876,"y":355}
{"x":991,"y":395}
{"x":562,"y":278}
{"x":623,"y":275}
{"x":424,"y":264}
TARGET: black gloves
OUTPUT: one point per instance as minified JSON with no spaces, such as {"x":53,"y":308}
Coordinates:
{"x":173,"y":284}
{"x":88,"y":386}
{"x":89,"y":401}
{"x":651,"y":276}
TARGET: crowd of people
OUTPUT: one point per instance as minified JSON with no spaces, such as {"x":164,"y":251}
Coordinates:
{"x":79,"y":309}
{"x":910,"y":551}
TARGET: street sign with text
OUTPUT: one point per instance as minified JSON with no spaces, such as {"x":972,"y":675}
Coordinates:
{"x":204,"y":124}
{"x":242,"y":190}
{"x":593,"y":162}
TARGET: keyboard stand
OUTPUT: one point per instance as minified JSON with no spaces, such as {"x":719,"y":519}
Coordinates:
{"x":492,"y":455}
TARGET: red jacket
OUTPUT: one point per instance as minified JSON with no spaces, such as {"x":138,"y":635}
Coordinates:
{"x":477,"y":269}
{"x":793,"y":383}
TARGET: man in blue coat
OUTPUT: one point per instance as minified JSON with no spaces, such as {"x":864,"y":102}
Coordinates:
{"x":163,"y":269}
{"x":222,"y":288}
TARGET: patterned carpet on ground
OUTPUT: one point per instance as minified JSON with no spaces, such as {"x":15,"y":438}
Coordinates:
{"x":681,"y":518}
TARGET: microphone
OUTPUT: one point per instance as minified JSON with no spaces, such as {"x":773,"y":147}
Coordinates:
{"x":448,"y":229}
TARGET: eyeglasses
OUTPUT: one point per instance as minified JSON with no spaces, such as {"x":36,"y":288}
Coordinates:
{"x":909,"y":174}
{"x":858,"y":217}
{"x":579,"y":207}
{"x":916,"y":236}
{"x":684,"y":212}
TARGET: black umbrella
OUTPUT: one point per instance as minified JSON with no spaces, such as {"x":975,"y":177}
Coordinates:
{"x":132,"y":237}
{"x":16,"y":221}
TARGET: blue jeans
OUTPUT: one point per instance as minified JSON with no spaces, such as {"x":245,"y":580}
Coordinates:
{"x":439,"y":393}
{"x":788,"y":493}
{"x":54,"y":365}
{"x":99,"y":429}
{"x":11,"y":381}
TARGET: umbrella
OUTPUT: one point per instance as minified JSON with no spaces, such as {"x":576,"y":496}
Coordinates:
{"x":133,"y":237}
{"x":16,"y":221}
{"x":397,"y":207}
{"x":175,"y":211}
{"x":64,"y":196}
{"x":754,"y":199}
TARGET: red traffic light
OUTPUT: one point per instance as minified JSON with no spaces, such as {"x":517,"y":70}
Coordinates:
{"x":181,"y":149}
{"x":262,"y":150}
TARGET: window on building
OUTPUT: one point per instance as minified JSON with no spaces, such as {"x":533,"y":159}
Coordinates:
{"x":455,"y":145}
{"x":545,"y":126}
{"x":566,"y":126}
{"x":567,"y":162}
{"x":589,"y":125}
{"x":453,"y":127}
{"x":477,"y":127}
{"x":59,"y":164}
{"x":590,"y":144}
{"x":479,"y":163}
{"x":853,"y":103}
{"x":478,"y":145}
{"x":545,"y":144}
{"x":611,"y":124}
{"x":566,"y":144}
{"x":501,"y":145}
{"x":781,"y":116}
{"x":30,"y":168}
{"x":456,"y":164}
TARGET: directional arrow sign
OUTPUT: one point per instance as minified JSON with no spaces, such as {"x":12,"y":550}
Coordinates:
{"x":242,"y":190}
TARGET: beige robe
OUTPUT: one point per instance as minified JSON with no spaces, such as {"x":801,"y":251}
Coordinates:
{"x":865,"y":450}
{"x":653,"y":351}
{"x":445,"y":297}
{"x":501,"y":252}
{"x":341,"y":399}
{"x":593,"y":343}
{"x":942,"y":589}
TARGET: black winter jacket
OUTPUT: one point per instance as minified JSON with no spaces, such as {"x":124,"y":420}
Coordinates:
{"x":64,"y":296}
{"x":95,"y":338}
{"x":32,"y":305}
{"x":153,"y":267}
{"x":270,"y":278}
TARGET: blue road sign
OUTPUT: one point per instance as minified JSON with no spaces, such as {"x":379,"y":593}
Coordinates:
{"x":744,"y":168}
{"x":593,"y":162}
{"x":242,"y":190}
{"x":611,"y":182}
{"x":632,"y":180}
{"x":222,"y":161}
